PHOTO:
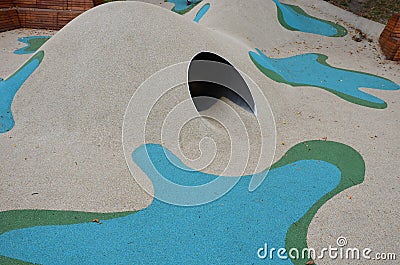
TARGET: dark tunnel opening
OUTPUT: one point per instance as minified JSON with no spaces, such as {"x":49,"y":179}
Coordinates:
{"x":211,"y":77}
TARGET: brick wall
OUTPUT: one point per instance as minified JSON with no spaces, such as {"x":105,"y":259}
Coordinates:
{"x":6,"y":4}
{"x":8,"y":19}
{"x":390,"y":38}
{"x":41,"y":14}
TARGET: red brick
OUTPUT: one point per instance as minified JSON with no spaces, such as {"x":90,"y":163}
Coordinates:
{"x":45,"y":14}
{"x":390,"y":38}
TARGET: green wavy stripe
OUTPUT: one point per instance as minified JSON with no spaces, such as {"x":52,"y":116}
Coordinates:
{"x":341,"y":31}
{"x":282,"y":21}
{"x":184,"y":11}
{"x":33,"y":44}
{"x":349,"y":162}
{"x":322,"y":60}
{"x":17,"y":219}
{"x":37,"y":56}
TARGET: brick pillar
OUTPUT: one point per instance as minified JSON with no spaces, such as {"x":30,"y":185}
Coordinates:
{"x":390,"y":38}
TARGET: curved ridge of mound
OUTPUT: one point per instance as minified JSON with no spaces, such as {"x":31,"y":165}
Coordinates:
{"x":69,"y":113}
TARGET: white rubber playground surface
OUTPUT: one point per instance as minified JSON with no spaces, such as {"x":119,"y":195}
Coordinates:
{"x":82,"y":113}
